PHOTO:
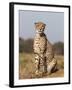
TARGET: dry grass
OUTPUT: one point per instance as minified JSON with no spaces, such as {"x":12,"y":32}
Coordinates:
{"x":27,"y":67}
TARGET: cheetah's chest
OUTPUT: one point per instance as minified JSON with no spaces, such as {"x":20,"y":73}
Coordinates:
{"x":39,"y":44}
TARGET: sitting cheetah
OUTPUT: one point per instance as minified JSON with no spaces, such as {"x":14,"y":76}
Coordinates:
{"x":44,"y":56}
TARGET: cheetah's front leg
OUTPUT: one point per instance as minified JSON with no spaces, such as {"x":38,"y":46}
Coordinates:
{"x":40,"y":67}
{"x":37,"y":64}
{"x":42,"y":64}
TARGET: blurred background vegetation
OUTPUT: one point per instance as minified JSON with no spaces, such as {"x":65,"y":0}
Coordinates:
{"x":27,"y":46}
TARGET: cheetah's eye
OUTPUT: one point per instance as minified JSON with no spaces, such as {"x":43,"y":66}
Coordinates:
{"x":37,"y":25}
{"x":42,"y":26}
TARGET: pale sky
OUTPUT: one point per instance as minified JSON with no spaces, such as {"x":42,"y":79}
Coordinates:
{"x":54,"y":24}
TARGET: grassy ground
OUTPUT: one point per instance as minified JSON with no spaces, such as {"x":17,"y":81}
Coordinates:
{"x":27,"y":67}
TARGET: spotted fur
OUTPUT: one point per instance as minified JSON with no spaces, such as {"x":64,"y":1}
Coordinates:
{"x":44,"y":56}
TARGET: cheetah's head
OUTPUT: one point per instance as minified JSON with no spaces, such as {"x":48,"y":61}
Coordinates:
{"x":40,"y":26}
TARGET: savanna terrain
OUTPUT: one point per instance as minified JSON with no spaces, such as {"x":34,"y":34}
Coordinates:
{"x":27,"y":66}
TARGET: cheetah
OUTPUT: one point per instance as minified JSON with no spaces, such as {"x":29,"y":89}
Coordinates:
{"x":43,"y":50}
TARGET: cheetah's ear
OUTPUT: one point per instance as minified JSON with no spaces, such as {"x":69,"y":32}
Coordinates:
{"x":35,"y":23}
{"x":45,"y":24}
